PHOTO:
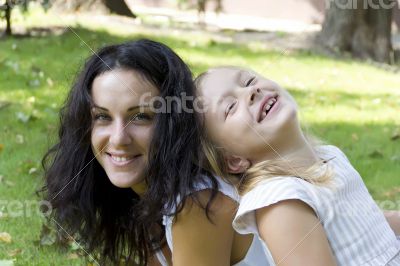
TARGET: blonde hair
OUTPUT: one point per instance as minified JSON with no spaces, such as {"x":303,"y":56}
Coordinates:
{"x":320,"y":173}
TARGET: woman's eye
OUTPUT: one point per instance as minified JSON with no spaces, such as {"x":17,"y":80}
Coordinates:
{"x":142,"y":117}
{"x":250,"y":81}
{"x":102,"y":117}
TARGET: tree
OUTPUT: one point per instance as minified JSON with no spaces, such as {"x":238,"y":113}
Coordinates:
{"x":8,"y":5}
{"x":201,"y":5}
{"x":361,"y":27}
{"x":118,"y":7}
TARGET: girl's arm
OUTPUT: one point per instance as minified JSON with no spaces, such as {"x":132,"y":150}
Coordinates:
{"x":393,"y":218}
{"x":199,"y":241}
{"x":294,"y":234}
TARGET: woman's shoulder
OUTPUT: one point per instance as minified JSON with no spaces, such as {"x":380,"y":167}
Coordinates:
{"x":224,"y":187}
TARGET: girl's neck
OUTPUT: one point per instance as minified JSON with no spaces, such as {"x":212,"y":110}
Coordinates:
{"x":298,"y":152}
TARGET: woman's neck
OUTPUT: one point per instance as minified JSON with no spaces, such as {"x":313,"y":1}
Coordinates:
{"x":140,"y":188}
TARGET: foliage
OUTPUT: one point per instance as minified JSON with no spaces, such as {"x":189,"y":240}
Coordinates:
{"x":6,"y":7}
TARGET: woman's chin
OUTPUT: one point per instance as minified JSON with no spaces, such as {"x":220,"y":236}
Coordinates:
{"x":124,"y":181}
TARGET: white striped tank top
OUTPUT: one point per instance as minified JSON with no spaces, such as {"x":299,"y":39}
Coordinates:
{"x":356,"y":228}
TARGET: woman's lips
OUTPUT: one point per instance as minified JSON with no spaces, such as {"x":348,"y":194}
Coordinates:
{"x":122,"y":160}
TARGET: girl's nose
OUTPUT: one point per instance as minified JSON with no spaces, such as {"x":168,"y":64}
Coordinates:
{"x":120,"y":135}
{"x":253,"y":94}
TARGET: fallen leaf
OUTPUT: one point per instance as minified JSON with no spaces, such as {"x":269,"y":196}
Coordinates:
{"x":6,"y":263}
{"x":395,"y":136}
{"x":19,"y":139}
{"x":47,"y":236}
{"x":4,"y":104}
{"x":32,"y":170}
{"x":72,"y":256}
{"x":74,"y":245}
{"x":24,"y":118}
{"x":14,"y":252}
{"x":376,"y":154}
{"x":354,"y":136}
{"x":9,"y":183}
{"x":2,"y":215}
{"x":50,"y":82}
{"x":5,"y":237}
{"x":395,"y":158}
{"x":1,"y":147}
{"x":34,"y":83}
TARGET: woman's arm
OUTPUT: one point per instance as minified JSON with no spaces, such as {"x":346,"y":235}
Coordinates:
{"x":199,"y":241}
{"x":393,"y":218}
{"x":294,"y":234}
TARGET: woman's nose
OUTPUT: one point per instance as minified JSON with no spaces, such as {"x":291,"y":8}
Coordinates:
{"x":120,"y":135}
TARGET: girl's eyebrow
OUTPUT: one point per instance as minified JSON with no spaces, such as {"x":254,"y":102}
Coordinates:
{"x":237,"y":77}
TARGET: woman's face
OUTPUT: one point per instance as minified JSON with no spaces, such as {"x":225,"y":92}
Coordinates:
{"x":122,"y":126}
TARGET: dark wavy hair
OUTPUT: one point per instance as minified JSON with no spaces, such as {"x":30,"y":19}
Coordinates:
{"x":112,"y":222}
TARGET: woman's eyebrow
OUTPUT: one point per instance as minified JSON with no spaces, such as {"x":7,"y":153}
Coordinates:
{"x":99,"y":107}
{"x":133,"y":108}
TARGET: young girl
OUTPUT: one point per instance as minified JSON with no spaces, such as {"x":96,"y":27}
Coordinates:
{"x":305,"y":201}
{"x":122,"y":167}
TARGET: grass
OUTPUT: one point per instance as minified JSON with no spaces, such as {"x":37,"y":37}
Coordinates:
{"x":350,"y":104}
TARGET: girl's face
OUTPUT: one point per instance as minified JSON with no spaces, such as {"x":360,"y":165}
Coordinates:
{"x":122,"y":127}
{"x":247,"y":115}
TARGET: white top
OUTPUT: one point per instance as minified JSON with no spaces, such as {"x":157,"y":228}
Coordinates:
{"x":256,"y":255}
{"x":356,"y":228}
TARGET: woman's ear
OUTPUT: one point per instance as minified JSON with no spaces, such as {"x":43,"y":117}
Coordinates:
{"x":236,"y":164}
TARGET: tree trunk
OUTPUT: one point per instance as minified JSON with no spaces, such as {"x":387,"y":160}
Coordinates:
{"x":8,"y":31}
{"x":118,"y":7}
{"x":360,"y":27}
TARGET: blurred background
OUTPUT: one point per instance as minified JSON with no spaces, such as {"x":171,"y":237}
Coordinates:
{"x":339,"y":58}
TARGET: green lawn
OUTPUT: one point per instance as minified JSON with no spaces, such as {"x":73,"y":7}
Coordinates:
{"x":350,"y":104}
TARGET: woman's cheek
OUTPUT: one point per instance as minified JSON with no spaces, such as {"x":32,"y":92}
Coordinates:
{"x":98,"y":138}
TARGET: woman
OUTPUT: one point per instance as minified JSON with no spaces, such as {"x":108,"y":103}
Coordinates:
{"x":122,"y":163}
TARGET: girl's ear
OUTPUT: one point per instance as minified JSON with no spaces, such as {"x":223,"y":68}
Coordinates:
{"x":236,"y":164}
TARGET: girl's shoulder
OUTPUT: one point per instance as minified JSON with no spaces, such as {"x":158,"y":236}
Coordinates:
{"x":276,"y":189}
{"x":269,"y":192}
{"x":328,"y":152}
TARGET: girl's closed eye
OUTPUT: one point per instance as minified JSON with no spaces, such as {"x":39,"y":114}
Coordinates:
{"x":230,"y":108}
{"x":250,"y":81}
